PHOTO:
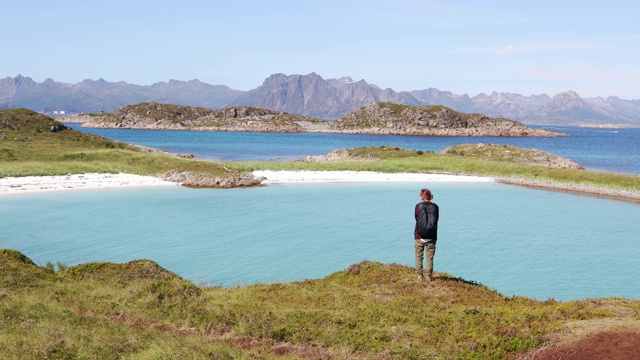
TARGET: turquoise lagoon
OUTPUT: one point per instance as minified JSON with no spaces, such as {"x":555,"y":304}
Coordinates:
{"x":518,"y":241}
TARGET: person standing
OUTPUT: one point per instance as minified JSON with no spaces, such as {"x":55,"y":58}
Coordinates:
{"x":426,"y":234}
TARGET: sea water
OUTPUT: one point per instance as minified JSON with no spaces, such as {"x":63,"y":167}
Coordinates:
{"x":518,"y":241}
{"x":613,"y":150}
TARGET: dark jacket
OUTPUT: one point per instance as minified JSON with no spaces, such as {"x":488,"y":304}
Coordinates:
{"x":433,"y":214}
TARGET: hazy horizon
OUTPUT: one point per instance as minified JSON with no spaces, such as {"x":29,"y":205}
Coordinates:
{"x":466,"y":48}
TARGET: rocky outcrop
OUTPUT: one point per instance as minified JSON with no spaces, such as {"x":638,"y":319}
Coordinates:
{"x":174,"y":117}
{"x":58,"y":127}
{"x":376,"y":118}
{"x":202,"y":180}
{"x":387,"y":118}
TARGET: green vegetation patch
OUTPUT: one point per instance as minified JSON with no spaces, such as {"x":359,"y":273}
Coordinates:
{"x":510,"y":153}
{"x":34,"y":144}
{"x":15,"y":255}
{"x":158,"y":111}
{"x":394,"y":159}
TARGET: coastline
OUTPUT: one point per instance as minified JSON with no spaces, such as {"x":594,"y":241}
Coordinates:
{"x":97,"y":181}
{"x":90,"y":181}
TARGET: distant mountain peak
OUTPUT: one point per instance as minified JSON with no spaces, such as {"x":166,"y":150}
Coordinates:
{"x":345,"y":80}
{"x":310,"y":95}
{"x":20,"y":81}
{"x":569,"y":93}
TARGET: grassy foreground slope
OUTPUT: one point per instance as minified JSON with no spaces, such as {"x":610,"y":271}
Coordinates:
{"x":139,"y":310}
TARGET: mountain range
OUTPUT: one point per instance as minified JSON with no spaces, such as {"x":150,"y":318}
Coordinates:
{"x":310,"y":95}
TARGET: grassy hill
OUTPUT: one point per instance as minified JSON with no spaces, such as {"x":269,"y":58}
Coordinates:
{"x":34,"y":144}
{"x":139,"y":310}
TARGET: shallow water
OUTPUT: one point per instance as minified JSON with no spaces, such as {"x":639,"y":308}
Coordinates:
{"x":516,"y":240}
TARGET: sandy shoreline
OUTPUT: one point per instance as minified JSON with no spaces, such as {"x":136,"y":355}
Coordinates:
{"x":94,"y":181}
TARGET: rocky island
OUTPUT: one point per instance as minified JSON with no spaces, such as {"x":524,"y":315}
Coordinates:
{"x":375,"y":118}
{"x":434,"y":120}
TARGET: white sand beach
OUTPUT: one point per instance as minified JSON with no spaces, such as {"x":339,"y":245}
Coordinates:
{"x":94,"y":181}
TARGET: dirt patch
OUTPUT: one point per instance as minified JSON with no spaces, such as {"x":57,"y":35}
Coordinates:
{"x":617,"y":338}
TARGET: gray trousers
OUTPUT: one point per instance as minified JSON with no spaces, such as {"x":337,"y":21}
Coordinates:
{"x":430,"y":249}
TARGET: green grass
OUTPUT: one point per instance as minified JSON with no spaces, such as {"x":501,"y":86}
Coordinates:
{"x":28,"y":147}
{"x":370,"y":310}
{"x":393,"y":159}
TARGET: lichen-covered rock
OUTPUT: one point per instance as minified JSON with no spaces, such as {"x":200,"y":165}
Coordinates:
{"x":203,"y":180}
{"x":387,"y":118}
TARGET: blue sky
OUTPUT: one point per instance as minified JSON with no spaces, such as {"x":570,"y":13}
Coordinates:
{"x":526,"y":47}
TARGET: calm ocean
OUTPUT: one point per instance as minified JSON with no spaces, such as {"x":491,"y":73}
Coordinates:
{"x":615,"y":150}
{"x":519,"y":241}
